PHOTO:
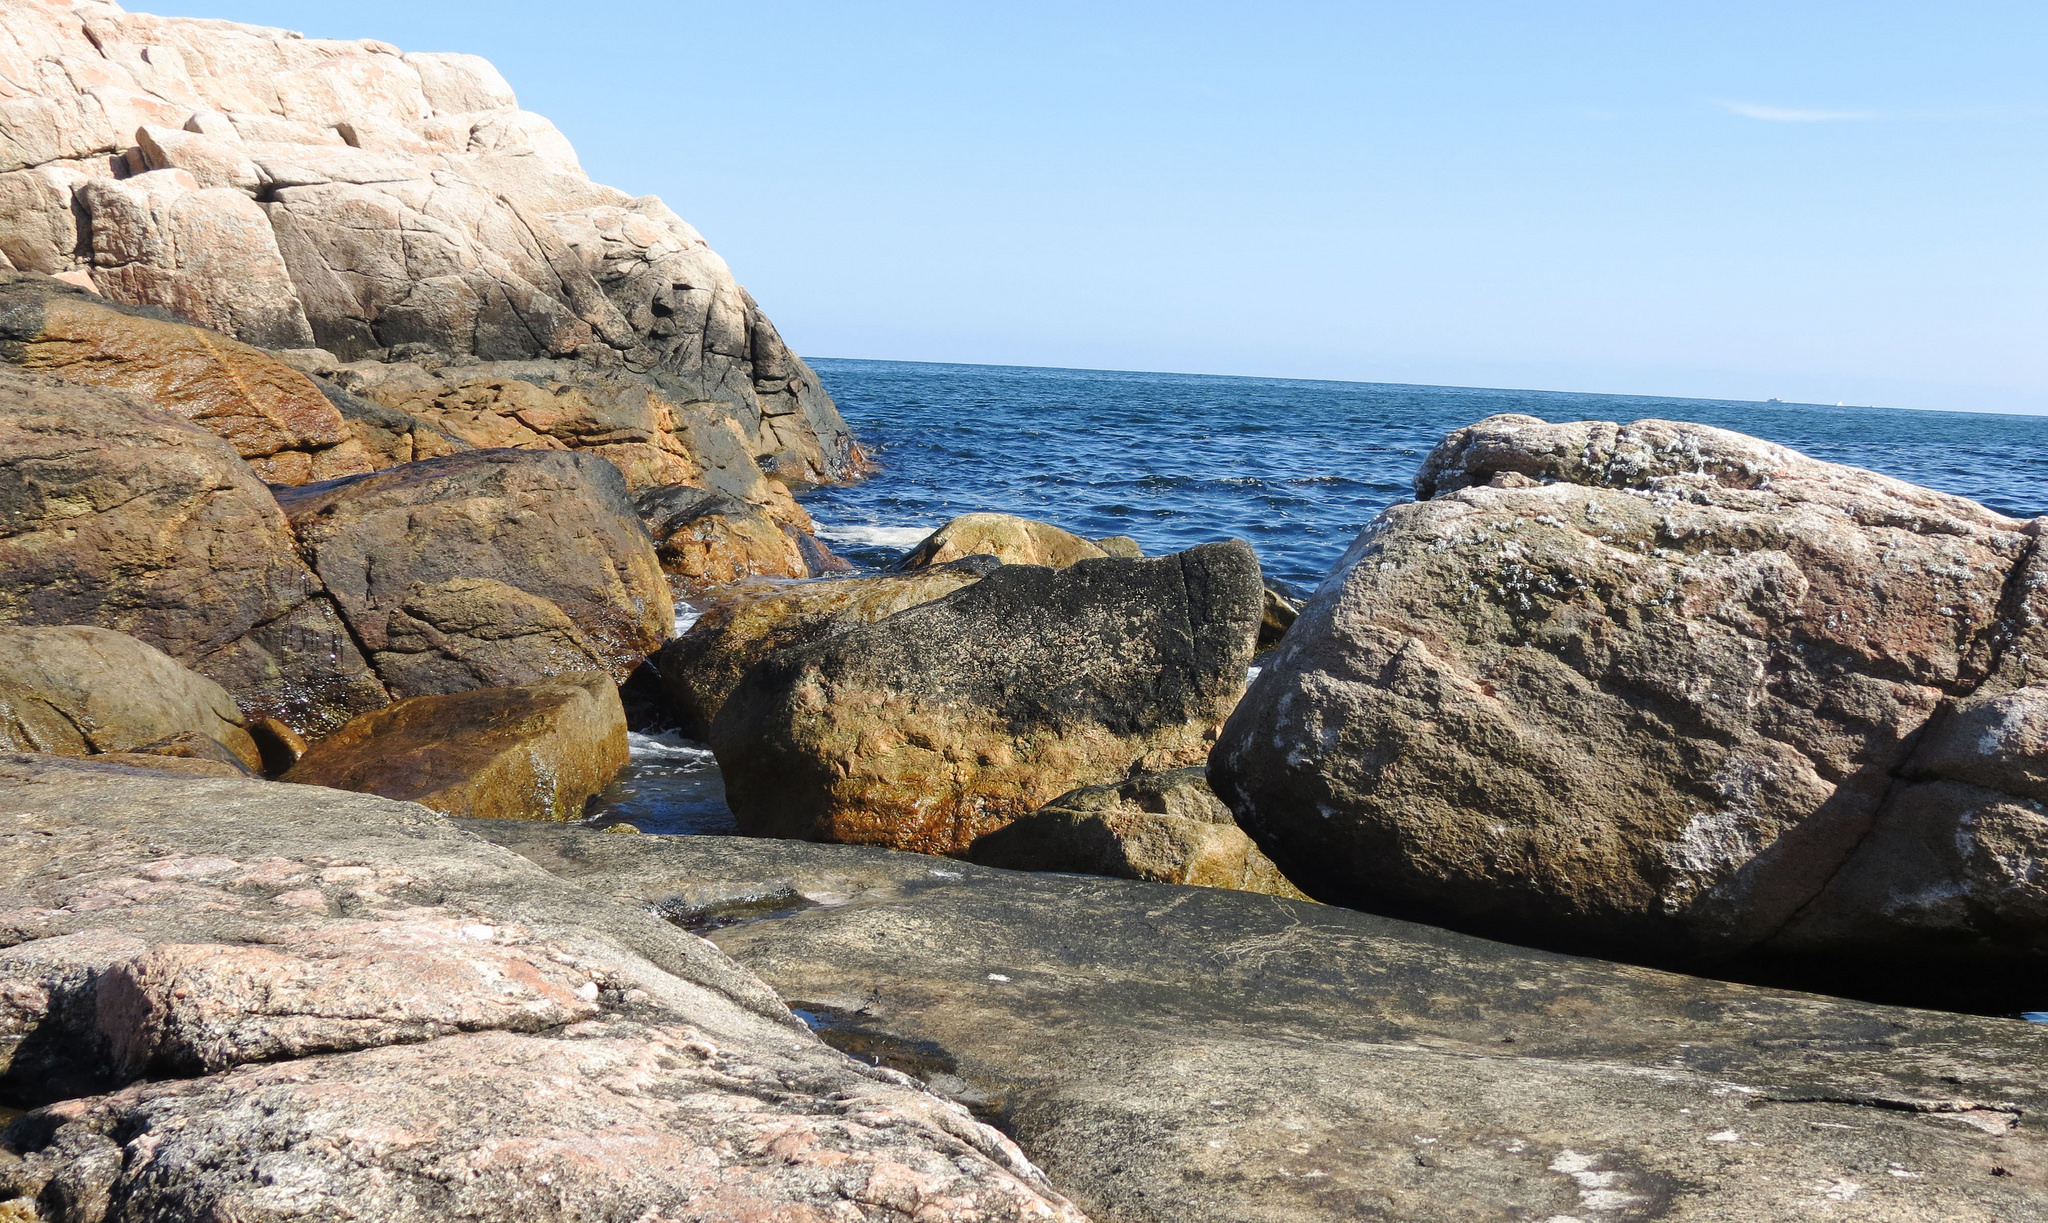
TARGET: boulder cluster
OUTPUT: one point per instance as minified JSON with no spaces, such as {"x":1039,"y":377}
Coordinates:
{"x":356,"y":451}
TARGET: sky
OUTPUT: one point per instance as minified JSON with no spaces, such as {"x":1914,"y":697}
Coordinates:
{"x":1818,"y":202}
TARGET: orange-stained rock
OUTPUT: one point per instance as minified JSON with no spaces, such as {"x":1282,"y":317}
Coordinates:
{"x":536,"y":751}
{"x":1008,"y":538}
{"x":926,"y":729}
{"x":273,"y":415}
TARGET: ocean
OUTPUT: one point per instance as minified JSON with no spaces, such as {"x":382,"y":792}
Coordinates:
{"x":1295,"y":467}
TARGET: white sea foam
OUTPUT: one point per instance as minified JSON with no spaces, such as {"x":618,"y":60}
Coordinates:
{"x":667,"y":747}
{"x":863,"y":535}
{"x":686,"y":616}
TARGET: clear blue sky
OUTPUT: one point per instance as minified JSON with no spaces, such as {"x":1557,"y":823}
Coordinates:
{"x":1815,"y":201}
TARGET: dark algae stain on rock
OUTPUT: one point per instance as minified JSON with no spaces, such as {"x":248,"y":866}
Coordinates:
{"x":937,"y":724}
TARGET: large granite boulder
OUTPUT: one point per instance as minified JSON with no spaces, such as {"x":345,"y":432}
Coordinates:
{"x":941,"y":723}
{"x":128,"y":517}
{"x":74,"y":690}
{"x":1008,"y":538}
{"x":276,"y":418}
{"x":537,"y":751}
{"x":291,"y":192}
{"x":487,"y":568}
{"x":1191,"y":1055}
{"x":246,"y":1000}
{"x":1166,"y":827}
{"x":1666,"y":690}
{"x":742,"y":626}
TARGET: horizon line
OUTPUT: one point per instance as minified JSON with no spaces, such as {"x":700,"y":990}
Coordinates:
{"x":1445,"y":386}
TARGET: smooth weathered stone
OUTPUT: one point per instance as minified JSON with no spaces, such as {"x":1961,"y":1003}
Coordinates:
{"x":127,"y":517}
{"x":1121,"y":545}
{"x":537,"y":751}
{"x":487,"y":568}
{"x":74,"y":690}
{"x":946,"y":721}
{"x":1189,"y":1055}
{"x":706,"y":539}
{"x":1165,"y":827}
{"x":273,"y":415}
{"x":345,"y":1008}
{"x":1657,"y":689}
{"x":1008,"y":538}
{"x":741,"y":627}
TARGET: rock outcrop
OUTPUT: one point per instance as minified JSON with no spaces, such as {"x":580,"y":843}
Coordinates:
{"x":941,"y":723}
{"x":295,"y":192}
{"x":1666,"y":690}
{"x":128,"y":517}
{"x":276,"y":418}
{"x":487,"y":569}
{"x":79,"y":691}
{"x":1165,"y":827}
{"x":1008,"y":538}
{"x":1190,"y":1055}
{"x":247,"y":1000}
{"x":742,"y":626}
{"x":537,"y":751}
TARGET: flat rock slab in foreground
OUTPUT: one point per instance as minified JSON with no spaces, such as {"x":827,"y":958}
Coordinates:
{"x":253,"y":1001}
{"x":1184,"y":1054}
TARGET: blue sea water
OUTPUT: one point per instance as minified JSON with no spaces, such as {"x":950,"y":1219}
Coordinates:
{"x":1295,"y":467}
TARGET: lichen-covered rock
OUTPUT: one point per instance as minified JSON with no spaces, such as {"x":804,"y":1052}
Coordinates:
{"x":1668,"y":690}
{"x":1008,"y":538}
{"x":292,"y":192}
{"x":487,"y":568}
{"x":745,"y":625}
{"x":1166,"y":827}
{"x":535,"y":751}
{"x":941,"y":723}
{"x":127,"y":517}
{"x":77,"y":691}
{"x":347,"y":1009}
{"x":276,"y":418}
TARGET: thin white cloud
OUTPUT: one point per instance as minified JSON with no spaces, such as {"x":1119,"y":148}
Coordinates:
{"x":1783,"y":114}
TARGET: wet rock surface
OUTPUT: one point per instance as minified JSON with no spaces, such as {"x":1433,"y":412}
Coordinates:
{"x":124,"y":516}
{"x":250,"y":1000}
{"x":487,"y":568}
{"x":1186,"y":1054}
{"x":941,"y":723}
{"x":536,"y":751}
{"x":742,"y":626}
{"x":1166,"y":827}
{"x":1671,"y":692}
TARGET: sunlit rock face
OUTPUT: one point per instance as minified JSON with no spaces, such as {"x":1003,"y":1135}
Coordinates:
{"x":299,"y":193}
{"x":1665,"y":689}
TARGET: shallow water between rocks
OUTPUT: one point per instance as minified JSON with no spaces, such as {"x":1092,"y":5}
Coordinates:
{"x":1296,"y":467}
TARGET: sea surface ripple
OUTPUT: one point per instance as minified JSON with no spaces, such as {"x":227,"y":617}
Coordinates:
{"x":1295,"y":467}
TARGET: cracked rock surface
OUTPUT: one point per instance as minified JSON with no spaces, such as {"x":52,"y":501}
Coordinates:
{"x":1187,"y":1055}
{"x":237,"y":999}
{"x":295,"y":192}
{"x":1668,"y":691}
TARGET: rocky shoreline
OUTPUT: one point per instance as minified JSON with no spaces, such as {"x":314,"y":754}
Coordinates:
{"x":355,"y":451}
